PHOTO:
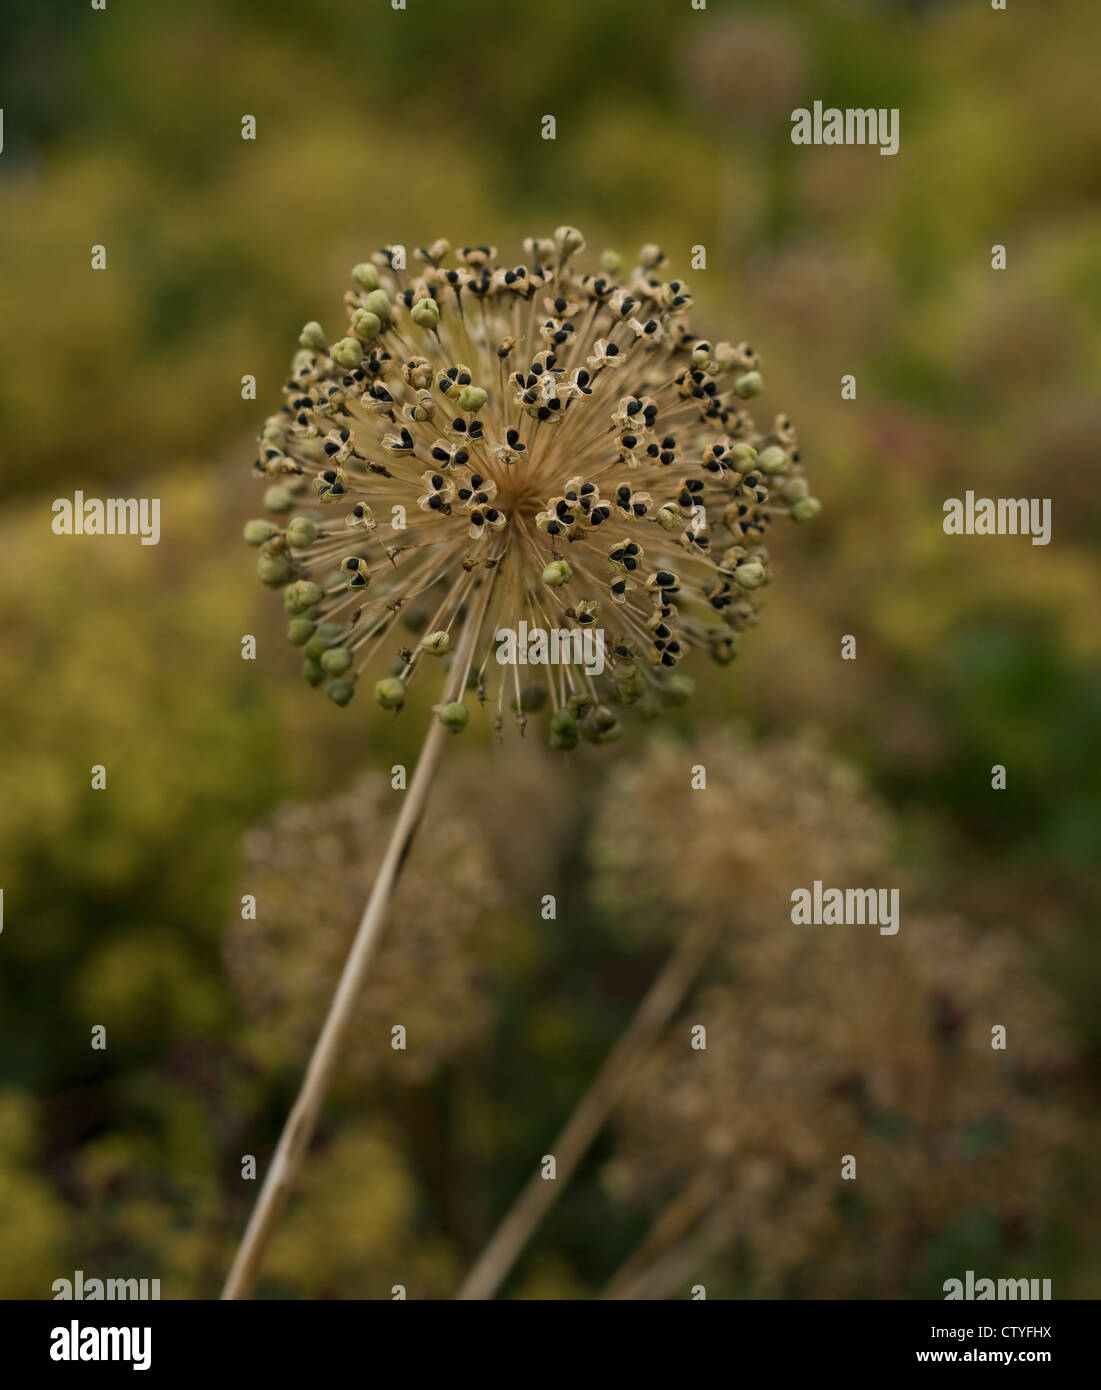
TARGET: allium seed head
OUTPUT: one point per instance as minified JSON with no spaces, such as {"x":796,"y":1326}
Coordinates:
{"x":493,"y":445}
{"x":432,"y":976}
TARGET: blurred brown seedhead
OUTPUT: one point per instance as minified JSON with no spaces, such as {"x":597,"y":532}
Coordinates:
{"x":774,"y":816}
{"x":485,"y":444}
{"x":745,"y":72}
{"x":307,"y":867}
{"x":825,"y":1041}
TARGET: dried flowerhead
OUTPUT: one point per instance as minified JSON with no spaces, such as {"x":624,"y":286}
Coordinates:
{"x":489,"y":446}
{"x":665,"y":855}
{"x":307,"y":866}
{"x":823,"y":1041}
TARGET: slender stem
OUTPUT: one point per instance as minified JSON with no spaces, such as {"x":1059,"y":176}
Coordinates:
{"x":302,"y":1120}
{"x":675,"y":1266}
{"x":537,"y":1197}
{"x":672,"y":1223}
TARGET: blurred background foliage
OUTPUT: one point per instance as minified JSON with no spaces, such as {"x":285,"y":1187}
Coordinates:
{"x":377,"y":126}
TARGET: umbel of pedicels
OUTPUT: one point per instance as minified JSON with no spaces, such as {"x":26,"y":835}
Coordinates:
{"x":481,"y":446}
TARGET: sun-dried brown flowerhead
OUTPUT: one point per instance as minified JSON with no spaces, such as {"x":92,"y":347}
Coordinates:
{"x":307,"y":867}
{"x":823,"y":1041}
{"x":499,"y":466}
{"x":664,"y":855}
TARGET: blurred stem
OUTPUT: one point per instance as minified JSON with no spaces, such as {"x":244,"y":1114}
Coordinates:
{"x":679,"y":1216}
{"x":538,"y":1196}
{"x":661,"y":1278}
{"x":302,"y":1120}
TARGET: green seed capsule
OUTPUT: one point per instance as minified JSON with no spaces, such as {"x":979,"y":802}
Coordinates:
{"x":425,"y":313}
{"x":772,"y":460}
{"x":378,"y":302}
{"x":678,"y":690}
{"x":611,"y":262}
{"x":257,"y":532}
{"x":795,"y":490}
{"x":273,"y":570}
{"x":347,"y":353}
{"x":472,"y":398}
{"x":325,"y":634}
{"x":390,"y":693}
{"x":593,"y":732}
{"x":557,"y":573}
{"x":366,"y":325}
{"x":299,"y":631}
{"x":598,"y":722}
{"x":278,"y":499}
{"x":304,"y":594}
{"x":454,"y":716}
{"x":568,"y":240}
{"x":313,"y":336}
{"x":436,"y":643}
{"x":336,"y":660}
{"x":752,"y":384}
{"x":563,"y":729}
{"x":367,"y":275}
{"x":750,"y":575}
{"x":312,"y":672}
{"x":603,"y":717}
{"x":301,"y":532}
{"x":649,"y":707}
{"x":631,"y":688}
{"x":806,"y":510}
{"x":340,"y":692}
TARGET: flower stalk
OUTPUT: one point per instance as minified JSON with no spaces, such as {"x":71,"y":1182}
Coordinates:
{"x":537,"y":1197}
{"x":302,"y":1120}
